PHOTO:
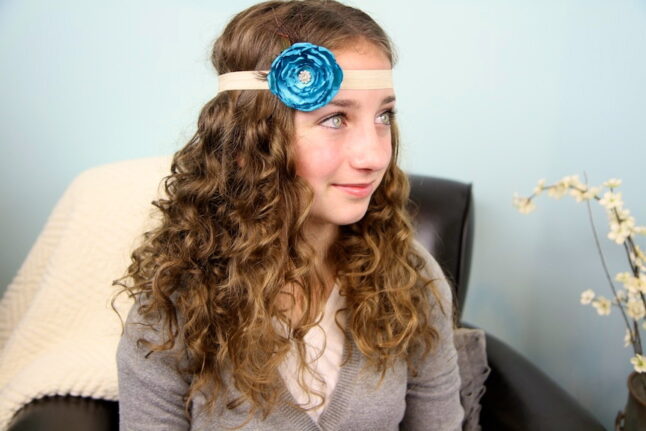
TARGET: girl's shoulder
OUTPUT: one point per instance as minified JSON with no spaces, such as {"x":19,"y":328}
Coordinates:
{"x":143,"y":334}
{"x":152,"y":383}
{"x":434,"y":272}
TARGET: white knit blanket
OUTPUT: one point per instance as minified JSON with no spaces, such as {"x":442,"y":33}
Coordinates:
{"x":58,"y":332}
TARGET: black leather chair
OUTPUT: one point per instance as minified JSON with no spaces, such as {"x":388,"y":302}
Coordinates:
{"x":518,"y":396}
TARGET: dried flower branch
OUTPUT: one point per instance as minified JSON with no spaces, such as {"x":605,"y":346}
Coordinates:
{"x":631,"y":298}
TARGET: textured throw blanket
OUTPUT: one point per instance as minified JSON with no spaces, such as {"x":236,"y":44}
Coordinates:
{"x":58,"y":332}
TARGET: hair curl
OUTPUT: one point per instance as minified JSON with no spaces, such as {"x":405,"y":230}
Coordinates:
{"x":231,"y":233}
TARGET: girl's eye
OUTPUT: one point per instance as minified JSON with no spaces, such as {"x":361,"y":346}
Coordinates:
{"x":334,"y":122}
{"x":386,"y":117}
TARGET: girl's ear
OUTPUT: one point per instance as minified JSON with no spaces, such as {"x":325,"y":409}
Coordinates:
{"x":241,"y":161}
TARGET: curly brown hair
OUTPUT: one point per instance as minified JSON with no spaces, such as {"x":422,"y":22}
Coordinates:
{"x":231,"y":235}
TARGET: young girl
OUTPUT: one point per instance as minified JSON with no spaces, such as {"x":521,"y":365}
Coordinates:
{"x":283,"y":289}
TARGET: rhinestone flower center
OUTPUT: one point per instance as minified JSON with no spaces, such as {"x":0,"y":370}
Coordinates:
{"x":304,"y":76}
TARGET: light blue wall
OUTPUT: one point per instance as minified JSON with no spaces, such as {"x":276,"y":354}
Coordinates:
{"x":498,"y":93}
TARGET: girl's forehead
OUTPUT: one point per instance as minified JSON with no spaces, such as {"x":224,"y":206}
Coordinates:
{"x":362,"y":56}
{"x":355,"y":99}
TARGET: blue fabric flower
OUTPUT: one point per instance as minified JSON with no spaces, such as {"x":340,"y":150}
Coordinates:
{"x":305,"y":76}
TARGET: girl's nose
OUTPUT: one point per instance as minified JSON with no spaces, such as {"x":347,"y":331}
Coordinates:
{"x":370,"y":148}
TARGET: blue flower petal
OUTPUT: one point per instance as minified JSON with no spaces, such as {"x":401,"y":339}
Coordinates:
{"x":325,"y":76}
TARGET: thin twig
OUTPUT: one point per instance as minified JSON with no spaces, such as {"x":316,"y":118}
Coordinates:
{"x":636,"y":343}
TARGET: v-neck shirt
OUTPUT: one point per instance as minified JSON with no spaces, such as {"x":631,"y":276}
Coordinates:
{"x":324,"y":354}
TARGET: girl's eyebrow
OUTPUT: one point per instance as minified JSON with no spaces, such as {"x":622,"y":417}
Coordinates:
{"x":349,"y":103}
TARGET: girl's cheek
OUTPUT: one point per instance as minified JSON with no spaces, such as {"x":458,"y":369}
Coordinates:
{"x":318,"y":160}
{"x":327,"y":162}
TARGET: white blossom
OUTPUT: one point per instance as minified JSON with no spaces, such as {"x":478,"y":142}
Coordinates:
{"x":592,"y":192}
{"x":611,"y":200}
{"x":523,"y":205}
{"x":640,"y":253}
{"x":639,"y":362}
{"x":577,"y":194}
{"x":571,"y":181}
{"x":623,"y":277}
{"x":587,"y":296}
{"x":612,"y":183}
{"x":621,"y":224}
{"x":638,"y":258}
{"x":635,"y":309}
{"x":619,"y":215}
{"x":632,"y":284}
{"x":584,"y":194}
{"x":620,"y":231}
{"x":621,"y":296}
{"x":628,"y":340}
{"x":558,"y":190}
{"x":540,"y":186}
{"x":640,"y":283}
{"x":602,"y":305}
{"x":640,"y":230}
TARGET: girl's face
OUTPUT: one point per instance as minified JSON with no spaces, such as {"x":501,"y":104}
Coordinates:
{"x":344,"y":148}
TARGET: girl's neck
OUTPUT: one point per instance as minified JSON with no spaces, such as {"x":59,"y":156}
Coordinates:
{"x":321,"y":236}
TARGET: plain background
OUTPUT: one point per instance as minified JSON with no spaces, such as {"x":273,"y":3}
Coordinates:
{"x":498,"y":93}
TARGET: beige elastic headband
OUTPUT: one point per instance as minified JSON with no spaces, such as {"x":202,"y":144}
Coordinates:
{"x":306,"y":77}
{"x":352,"y":80}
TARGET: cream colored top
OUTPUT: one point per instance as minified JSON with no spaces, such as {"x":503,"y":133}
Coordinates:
{"x":324,"y":351}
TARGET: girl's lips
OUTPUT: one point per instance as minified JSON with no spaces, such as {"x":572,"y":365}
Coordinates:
{"x":358,"y":190}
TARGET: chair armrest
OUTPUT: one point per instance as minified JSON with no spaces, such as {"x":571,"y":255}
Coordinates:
{"x":67,"y":413}
{"x":521,"y":397}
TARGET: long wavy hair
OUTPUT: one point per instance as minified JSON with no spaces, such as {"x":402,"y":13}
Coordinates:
{"x":231,"y":234}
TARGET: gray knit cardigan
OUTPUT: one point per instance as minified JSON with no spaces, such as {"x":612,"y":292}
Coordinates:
{"x":151,"y":390}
